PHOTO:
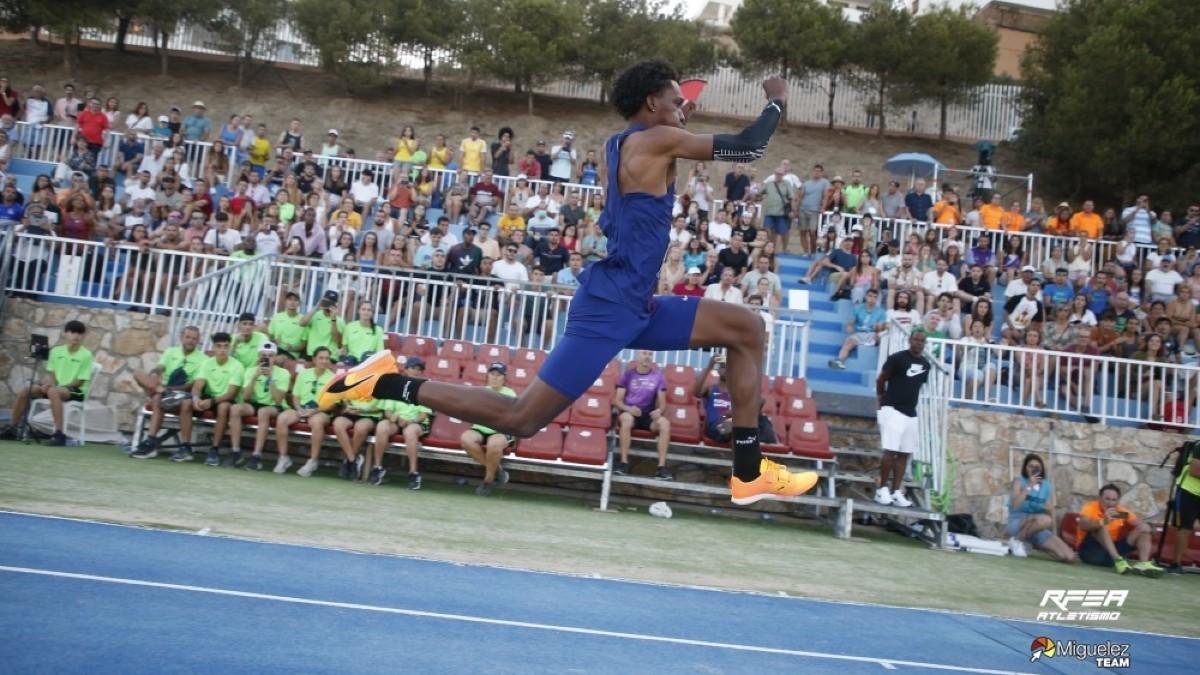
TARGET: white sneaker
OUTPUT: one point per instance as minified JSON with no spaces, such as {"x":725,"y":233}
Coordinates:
{"x":309,"y":467}
{"x":283,"y":464}
{"x":898,"y":499}
{"x":1017,"y":548}
{"x":883,"y":495}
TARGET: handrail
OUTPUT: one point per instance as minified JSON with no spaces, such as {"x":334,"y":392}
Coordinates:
{"x":207,"y":276}
{"x":6,"y":259}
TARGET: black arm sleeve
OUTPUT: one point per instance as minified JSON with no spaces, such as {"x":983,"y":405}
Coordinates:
{"x":751,"y":143}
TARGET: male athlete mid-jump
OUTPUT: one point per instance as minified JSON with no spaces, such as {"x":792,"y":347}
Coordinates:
{"x":615,"y":306}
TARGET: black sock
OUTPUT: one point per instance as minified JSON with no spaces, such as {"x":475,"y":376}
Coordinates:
{"x":396,"y":387}
{"x":746,"y":455}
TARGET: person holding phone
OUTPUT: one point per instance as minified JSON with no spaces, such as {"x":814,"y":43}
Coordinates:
{"x":1111,"y":532}
{"x":1031,"y":513}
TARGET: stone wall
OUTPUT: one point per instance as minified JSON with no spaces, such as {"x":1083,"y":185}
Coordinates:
{"x":121,"y":341}
{"x":1079,"y":458}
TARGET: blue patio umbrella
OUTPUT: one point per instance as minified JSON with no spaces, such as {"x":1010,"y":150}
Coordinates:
{"x":913,"y":164}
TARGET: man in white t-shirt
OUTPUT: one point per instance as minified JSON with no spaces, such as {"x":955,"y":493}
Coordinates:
{"x":725,"y":291}
{"x":141,"y":189}
{"x":563,"y":159}
{"x":940,"y":280}
{"x":720,"y":231}
{"x":791,"y":178}
{"x":679,"y":234}
{"x":1016,"y":287}
{"x":1162,"y":280}
{"x":223,"y":239}
{"x":509,"y":269}
{"x":153,"y":161}
{"x":1140,"y":219}
{"x":365,"y":192}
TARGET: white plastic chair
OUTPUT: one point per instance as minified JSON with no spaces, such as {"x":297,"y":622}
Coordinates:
{"x":78,"y":410}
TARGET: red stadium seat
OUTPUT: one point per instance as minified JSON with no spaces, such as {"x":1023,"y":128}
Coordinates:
{"x":394,"y":343}
{"x":533,"y":358}
{"x":444,"y":369}
{"x":781,"y":430}
{"x":1069,"y":529}
{"x":685,"y":423}
{"x":492,"y":353}
{"x":520,"y":376}
{"x":547,"y":443}
{"x":446,"y":432}
{"x":613,"y":370}
{"x":592,"y":411}
{"x":797,"y":407}
{"x":771,"y":404}
{"x":476,"y":374}
{"x":586,"y":446}
{"x":792,"y":386}
{"x":418,"y":346}
{"x":563,"y":418}
{"x":459,"y":350}
{"x":677,"y":394}
{"x":604,"y":386}
{"x":809,"y":438}
{"x":766,"y":385}
{"x":684,"y":376}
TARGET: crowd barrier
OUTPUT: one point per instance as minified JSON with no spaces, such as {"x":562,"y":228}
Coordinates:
{"x":212,"y":290}
{"x":1037,"y":246}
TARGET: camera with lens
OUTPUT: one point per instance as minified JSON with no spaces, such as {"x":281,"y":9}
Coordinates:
{"x":39,"y":347}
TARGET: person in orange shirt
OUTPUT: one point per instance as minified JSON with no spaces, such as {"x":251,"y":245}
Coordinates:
{"x":947,"y":211}
{"x":1013,"y":220}
{"x":991,"y":214}
{"x":1109,"y":532}
{"x":1088,"y":221}
{"x":1060,"y":222}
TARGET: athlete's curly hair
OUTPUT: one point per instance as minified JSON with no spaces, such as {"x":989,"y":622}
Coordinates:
{"x":638,"y":81}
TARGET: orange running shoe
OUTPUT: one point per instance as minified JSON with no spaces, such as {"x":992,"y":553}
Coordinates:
{"x":358,"y":383}
{"x":774,"y":480}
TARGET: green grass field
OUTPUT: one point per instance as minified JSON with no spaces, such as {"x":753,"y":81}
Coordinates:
{"x":448,"y":522}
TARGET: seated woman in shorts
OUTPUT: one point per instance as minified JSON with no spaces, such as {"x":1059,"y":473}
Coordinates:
{"x":304,"y":393}
{"x":1031,"y":513}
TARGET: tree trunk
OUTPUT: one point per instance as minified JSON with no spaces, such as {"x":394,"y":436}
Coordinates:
{"x":162,"y":53}
{"x":833,"y":81}
{"x":122,"y":32}
{"x":530,"y":95}
{"x":942,"y":128}
{"x":36,"y":35}
{"x":881,"y":113}
{"x":242,"y":69}
{"x":68,"y":62}
{"x":428,"y":70}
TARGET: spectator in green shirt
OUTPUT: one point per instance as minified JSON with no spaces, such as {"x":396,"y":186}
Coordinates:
{"x":485,"y":445}
{"x":304,"y":394}
{"x":177,"y":369}
{"x":324,"y":325}
{"x":285,"y":329}
{"x":264,"y":394}
{"x":363,"y":337}
{"x":70,"y":371}
{"x":216,"y":388}
{"x":351,"y":427}
{"x":855,"y":193}
{"x":248,"y":342}
{"x":414,"y":421}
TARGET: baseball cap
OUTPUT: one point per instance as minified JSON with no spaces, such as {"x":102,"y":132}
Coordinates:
{"x":246,"y":316}
{"x":522,"y":176}
{"x":837,"y":179}
{"x":198,"y":104}
{"x":498,"y":367}
{"x":471,"y":231}
{"x":330,"y":297}
{"x":1029,"y":268}
{"x":541,"y":142}
{"x":268,"y":348}
{"x":175,"y":108}
{"x":857,"y":227}
{"x":569,"y":134}
{"x":164,"y":118}
{"x":331,"y":132}
{"x":694,"y":270}
{"x":414,"y":362}
{"x":1063,"y":205}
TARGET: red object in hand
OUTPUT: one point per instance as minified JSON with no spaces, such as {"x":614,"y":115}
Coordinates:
{"x":692,"y":88}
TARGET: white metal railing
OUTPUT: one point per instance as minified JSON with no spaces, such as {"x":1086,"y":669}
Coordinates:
{"x":1036,"y":246}
{"x":42,"y":142}
{"x":1101,"y":387}
{"x":213,"y":301}
{"x":95,"y":271}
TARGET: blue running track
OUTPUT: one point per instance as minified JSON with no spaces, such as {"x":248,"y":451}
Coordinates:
{"x":83,"y":597}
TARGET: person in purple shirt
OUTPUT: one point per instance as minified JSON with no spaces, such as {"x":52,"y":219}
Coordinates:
{"x":307,"y":231}
{"x":981,"y":254}
{"x":640,"y":401}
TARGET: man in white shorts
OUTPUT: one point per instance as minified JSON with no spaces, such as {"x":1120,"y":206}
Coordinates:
{"x":899,"y":389}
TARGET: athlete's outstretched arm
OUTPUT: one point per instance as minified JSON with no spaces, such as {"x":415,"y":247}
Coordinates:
{"x":746,"y":146}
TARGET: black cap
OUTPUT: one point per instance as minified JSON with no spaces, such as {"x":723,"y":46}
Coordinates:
{"x":246,"y":316}
{"x":330,"y":297}
{"x":470,"y":230}
{"x":414,"y":362}
{"x":498,"y":367}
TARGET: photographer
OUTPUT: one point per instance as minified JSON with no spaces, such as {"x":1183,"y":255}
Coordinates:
{"x":70,"y":371}
{"x":1111,"y":532}
{"x":167,"y":386}
{"x":264,"y":394}
{"x":1187,"y":502}
{"x":324,"y":326}
{"x":1031,"y":513}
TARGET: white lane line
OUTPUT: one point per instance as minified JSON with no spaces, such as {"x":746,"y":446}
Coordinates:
{"x":498,"y":622}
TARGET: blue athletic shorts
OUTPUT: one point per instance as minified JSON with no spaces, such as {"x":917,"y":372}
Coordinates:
{"x":777,"y":224}
{"x":598,"y":329}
